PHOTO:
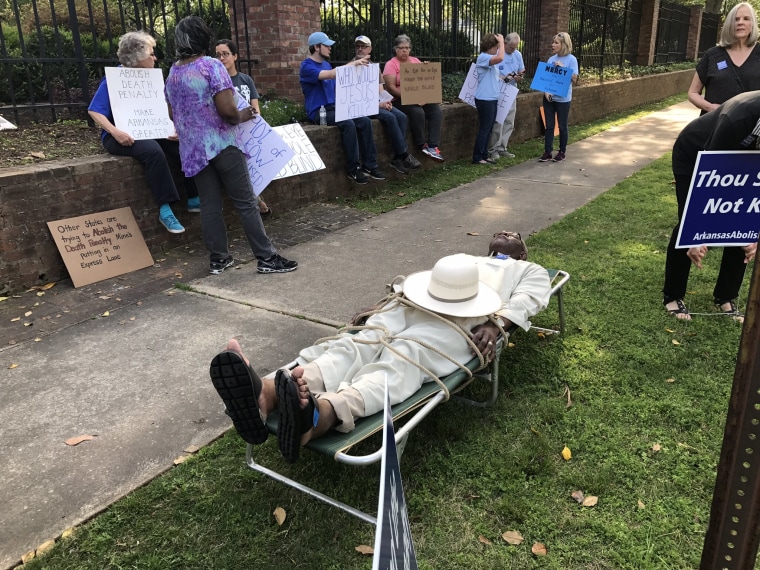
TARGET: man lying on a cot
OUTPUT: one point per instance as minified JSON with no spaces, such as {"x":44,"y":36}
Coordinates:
{"x":443,"y":317}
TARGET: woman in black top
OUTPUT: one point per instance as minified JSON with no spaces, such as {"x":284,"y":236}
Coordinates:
{"x":731,"y":67}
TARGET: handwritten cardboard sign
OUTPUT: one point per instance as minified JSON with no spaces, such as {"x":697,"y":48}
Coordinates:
{"x":265,"y":150}
{"x":356,"y":91}
{"x":507,"y":94}
{"x":305,"y":159}
{"x":553,"y":79}
{"x":137,"y":102}
{"x":420,"y":83}
{"x":99,"y":246}
{"x":723,"y":205}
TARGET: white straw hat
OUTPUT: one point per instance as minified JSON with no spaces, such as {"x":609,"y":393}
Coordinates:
{"x":452,"y":288}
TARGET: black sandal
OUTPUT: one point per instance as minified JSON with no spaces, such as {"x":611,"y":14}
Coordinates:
{"x":294,"y":420}
{"x":680,"y":310}
{"x":733,"y":311}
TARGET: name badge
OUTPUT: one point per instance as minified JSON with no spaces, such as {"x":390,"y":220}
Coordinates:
{"x":722,"y":65}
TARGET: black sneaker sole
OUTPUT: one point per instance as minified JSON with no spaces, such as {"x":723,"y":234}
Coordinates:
{"x":220,"y":270}
{"x":374,"y":177}
{"x":272,"y":270}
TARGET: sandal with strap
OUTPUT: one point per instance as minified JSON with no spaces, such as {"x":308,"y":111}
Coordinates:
{"x":733,"y":311}
{"x":294,"y":420}
{"x":679,"y":310}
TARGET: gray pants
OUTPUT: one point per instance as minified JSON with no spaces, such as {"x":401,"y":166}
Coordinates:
{"x":228,"y":171}
{"x":500,"y":134}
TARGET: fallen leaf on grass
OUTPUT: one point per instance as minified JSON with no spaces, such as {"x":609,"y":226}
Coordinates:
{"x":28,"y":314}
{"x":641,"y":504}
{"x":483,"y":540}
{"x":590,"y":501}
{"x":104,"y":297}
{"x":656,"y":447}
{"x":538,"y":549}
{"x":670,"y":380}
{"x":674,"y":341}
{"x":402,"y":194}
{"x":27,"y":324}
{"x":578,"y":496}
{"x":364,"y":549}
{"x":13,"y":320}
{"x":400,"y":208}
{"x":569,"y":399}
{"x":191,"y":449}
{"x":567,"y":455}
{"x":670,"y":330}
{"x":541,"y":335}
{"x":47,"y":286}
{"x":181,"y":459}
{"x":106,"y":314}
{"x":72,"y":441}
{"x":45,"y":546}
{"x":37,"y":154}
{"x":12,"y":366}
{"x":27,"y":557}
{"x":513,"y":537}
{"x":68,"y":532}
{"x":280,"y":515}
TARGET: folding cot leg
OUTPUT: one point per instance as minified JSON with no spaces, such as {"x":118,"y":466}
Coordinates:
{"x":561,"y":308}
{"x":304,"y":489}
{"x":493,"y":377}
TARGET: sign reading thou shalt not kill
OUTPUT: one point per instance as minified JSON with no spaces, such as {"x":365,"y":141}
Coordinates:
{"x":420,"y":83}
{"x":137,"y":102}
{"x":100,"y":246}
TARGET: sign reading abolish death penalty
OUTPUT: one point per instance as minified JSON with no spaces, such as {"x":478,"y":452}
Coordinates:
{"x":723,"y":205}
{"x":137,"y":102}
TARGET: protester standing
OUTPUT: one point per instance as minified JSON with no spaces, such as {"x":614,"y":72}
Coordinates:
{"x":487,"y":93}
{"x":511,"y":70}
{"x":562,"y":46}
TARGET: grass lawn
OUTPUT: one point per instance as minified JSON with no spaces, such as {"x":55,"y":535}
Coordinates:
{"x":639,"y":398}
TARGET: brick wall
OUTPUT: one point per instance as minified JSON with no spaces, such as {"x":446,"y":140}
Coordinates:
{"x":30,"y":196}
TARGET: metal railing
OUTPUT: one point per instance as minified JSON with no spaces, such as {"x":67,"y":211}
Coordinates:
{"x":672,"y":33}
{"x":708,"y":34}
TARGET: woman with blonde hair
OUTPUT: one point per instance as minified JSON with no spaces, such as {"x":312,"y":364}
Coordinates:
{"x":731,"y":67}
{"x":562,"y":46}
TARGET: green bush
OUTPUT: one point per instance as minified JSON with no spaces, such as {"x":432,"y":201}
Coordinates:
{"x":281,"y":111}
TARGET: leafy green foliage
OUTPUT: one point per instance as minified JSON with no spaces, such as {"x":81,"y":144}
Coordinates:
{"x":281,"y":111}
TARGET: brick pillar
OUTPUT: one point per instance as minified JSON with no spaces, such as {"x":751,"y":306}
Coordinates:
{"x":543,"y":20}
{"x":650,"y":12}
{"x":695,"y":27}
{"x":278,"y":30}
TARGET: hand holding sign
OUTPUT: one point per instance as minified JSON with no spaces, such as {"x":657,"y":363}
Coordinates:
{"x":553,"y":79}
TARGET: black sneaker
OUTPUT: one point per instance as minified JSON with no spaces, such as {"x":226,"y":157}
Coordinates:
{"x":398,"y":165}
{"x":218,"y":266}
{"x":276,"y":264}
{"x":358,"y":176}
{"x":374,"y":173}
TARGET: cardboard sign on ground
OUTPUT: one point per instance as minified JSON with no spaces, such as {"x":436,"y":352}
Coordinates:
{"x":99,"y":246}
{"x":420,"y":83}
{"x":138,"y":103}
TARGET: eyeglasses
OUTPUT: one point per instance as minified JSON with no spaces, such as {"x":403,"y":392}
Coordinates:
{"x":513,"y":235}
{"x":223,"y":54}
{"x":360,"y":46}
{"x":404,"y":47}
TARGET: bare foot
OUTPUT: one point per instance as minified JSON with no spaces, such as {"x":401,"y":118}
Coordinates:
{"x":267,"y":398}
{"x":327,"y":418}
{"x":678,"y":310}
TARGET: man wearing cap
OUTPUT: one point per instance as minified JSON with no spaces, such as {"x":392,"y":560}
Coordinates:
{"x":393,"y":119}
{"x":344,"y":377}
{"x":317,"y":79}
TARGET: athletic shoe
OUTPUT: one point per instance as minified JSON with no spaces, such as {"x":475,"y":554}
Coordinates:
{"x":194,"y":205}
{"x":433,"y":152}
{"x":171,"y":223}
{"x":412,"y":163}
{"x":374,"y":173}
{"x":217,"y":267}
{"x":559,"y":157}
{"x":276,"y":264}
{"x":494,"y":156}
{"x":506,"y":153}
{"x":358,"y":176}
{"x":398,"y":165}
{"x":546,"y":157}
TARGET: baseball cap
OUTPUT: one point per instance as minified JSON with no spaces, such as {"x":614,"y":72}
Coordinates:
{"x":320,"y":38}
{"x":363,"y":40}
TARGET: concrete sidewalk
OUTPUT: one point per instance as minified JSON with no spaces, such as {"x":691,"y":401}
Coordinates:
{"x":137,"y":379}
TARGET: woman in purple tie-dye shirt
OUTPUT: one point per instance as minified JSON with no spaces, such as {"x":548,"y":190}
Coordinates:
{"x":200,"y":96}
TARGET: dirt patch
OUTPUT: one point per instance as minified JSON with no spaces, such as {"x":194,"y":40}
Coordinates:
{"x":42,"y":142}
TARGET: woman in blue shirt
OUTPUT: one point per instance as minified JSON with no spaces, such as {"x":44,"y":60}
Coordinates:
{"x":487,"y":93}
{"x":562,"y":45}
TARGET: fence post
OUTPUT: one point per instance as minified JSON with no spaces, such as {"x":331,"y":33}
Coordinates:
{"x":695,"y":29}
{"x":78,"y":52}
{"x":650,"y":10}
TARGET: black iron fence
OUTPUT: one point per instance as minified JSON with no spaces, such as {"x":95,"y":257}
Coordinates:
{"x":672,"y":33}
{"x":448,"y":32}
{"x":605,"y":33}
{"x":708,"y":33}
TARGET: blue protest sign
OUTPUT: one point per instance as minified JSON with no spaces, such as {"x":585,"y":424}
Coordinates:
{"x":552,"y":79}
{"x":394,"y":548}
{"x":723,"y":205}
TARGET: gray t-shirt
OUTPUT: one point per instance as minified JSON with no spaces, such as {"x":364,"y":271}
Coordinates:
{"x":244,"y":85}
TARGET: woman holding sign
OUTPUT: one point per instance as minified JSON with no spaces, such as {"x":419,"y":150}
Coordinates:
{"x":136,"y":50}
{"x":487,"y":93}
{"x":562,"y":45}
{"x":201,"y":101}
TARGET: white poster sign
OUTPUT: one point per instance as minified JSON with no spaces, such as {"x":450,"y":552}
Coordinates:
{"x":508,"y":93}
{"x":137,"y":102}
{"x":265,"y":151}
{"x":305,"y":159}
{"x":356,"y":91}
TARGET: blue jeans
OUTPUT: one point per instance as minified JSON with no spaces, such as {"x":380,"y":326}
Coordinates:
{"x":356,"y":135}
{"x":228,"y":171}
{"x":486,"y":116}
{"x":394,"y":122}
{"x":563,"y":112}
{"x":418,"y":114}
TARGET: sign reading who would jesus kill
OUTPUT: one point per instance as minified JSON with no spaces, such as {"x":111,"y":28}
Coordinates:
{"x":723,"y":205}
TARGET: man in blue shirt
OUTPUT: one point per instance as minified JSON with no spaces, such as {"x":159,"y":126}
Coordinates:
{"x":317,"y":79}
{"x":511,"y":70}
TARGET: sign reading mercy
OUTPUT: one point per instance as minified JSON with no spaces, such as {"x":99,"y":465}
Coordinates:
{"x":394,"y":549}
{"x":420,"y":83}
{"x":507,"y":94}
{"x":99,"y":246}
{"x":356,"y":91}
{"x":137,"y":102}
{"x":553,"y":79}
{"x":723,"y":205}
